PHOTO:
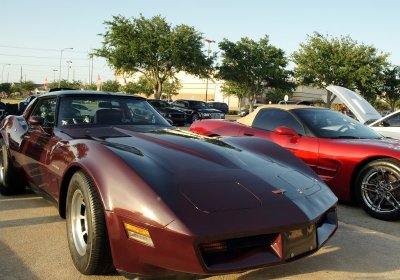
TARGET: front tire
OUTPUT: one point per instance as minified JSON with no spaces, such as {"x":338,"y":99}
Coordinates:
{"x":86,"y":228}
{"x":195,"y":117}
{"x":378,"y":189}
{"x":10,"y":182}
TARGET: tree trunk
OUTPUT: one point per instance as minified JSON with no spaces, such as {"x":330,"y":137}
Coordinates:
{"x":158,"y":90}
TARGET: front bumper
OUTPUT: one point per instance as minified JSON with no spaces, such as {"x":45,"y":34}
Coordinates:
{"x":175,"y":253}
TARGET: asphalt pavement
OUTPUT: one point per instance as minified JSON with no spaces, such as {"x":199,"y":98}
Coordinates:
{"x":33,"y":245}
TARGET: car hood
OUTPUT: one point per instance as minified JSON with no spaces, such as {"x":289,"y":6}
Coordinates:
{"x":195,"y":174}
{"x":170,"y":110}
{"x":356,"y":103}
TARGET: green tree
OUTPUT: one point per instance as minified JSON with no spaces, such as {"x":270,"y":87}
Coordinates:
{"x":230,"y":88}
{"x":6,"y":87}
{"x":153,"y":48}
{"x":111,"y":86}
{"x":276,"y":95}
{"x":27,"y":86}
{"x":254,"y":66}
{"x":132,"y":88}
{"x":391,"y":86}
{"x":323,"y":61}
{"x":66,"y":84}
{"x":91,"y":86}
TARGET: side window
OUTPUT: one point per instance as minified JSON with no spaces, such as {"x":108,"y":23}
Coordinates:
{"x":394,"y":120}
{"x":270,"y":119}
{"x":46,"y":108}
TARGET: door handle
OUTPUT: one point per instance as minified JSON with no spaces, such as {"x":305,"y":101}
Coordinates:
{"x":248,"y":134}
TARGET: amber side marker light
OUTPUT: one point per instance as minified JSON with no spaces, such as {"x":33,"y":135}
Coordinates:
{"x":139,"y":234}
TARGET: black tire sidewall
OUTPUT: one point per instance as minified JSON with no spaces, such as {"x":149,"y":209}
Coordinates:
{"x":390,"y":163}
{"x":88,"y":263}
{"x":12,"y":183}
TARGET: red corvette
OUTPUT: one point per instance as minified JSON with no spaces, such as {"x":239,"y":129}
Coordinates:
{"x":144,"y":198}
{"x":356,"y":162}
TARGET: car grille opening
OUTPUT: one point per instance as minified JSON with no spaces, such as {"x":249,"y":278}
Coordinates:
{"x":226,"y":251}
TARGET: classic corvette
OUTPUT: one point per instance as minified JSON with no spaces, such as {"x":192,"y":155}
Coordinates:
{"x":356,"y":162}
{"x":147,"y":199}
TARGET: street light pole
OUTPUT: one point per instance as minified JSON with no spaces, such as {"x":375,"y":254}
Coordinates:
{"x":208,"y":55}
{"x":54,"y":72}
{"x":2,"y":72}
{"x":61,"y":53}
{"x":69,"y":66}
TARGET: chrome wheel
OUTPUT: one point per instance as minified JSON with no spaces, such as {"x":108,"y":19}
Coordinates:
{"x":379,"y":189}
{"x":79,"y":224}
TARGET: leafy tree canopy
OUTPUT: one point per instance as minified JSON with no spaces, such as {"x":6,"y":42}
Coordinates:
{"x":110,"y":86}
{"x":154,"y":48}
{"x":254,"y":66}
{"x":66,"y":84}
{"x":391,"y":86}
{"x":6,"y":87}
{"x":324,"y":60}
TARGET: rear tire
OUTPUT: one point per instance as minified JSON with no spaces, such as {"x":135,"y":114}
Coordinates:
{"x":86,"y":227}
{"x":378,"y":189}
{"x":10,"y":182}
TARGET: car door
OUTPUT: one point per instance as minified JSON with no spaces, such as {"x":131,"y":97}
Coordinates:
{"x":37,"y":144}
{"x":303,"y":146}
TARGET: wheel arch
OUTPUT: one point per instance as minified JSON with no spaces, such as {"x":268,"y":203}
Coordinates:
{"x":64,"y":189}
{"x":357,"y":170}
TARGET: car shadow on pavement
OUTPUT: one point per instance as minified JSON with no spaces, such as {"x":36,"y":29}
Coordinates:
{"x":9,"y":262}
{"x":28,"y":200}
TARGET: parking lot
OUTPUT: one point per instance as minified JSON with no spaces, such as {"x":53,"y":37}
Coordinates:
{"x":33,"y":245}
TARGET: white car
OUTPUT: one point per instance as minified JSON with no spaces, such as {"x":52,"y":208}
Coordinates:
{"x":388,"y":126}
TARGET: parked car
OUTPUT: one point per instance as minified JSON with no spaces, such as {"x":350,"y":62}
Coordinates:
{"x":356,"y":162}
{"x":245,"y":112}
{"x":145,"y":198}
{"x":288,"y":102}
{"x":388,"y":125}
{"x":197,"y":110}
{"x":24,"y":103}
{"x":178,"y":117}
{"x":219,"y":106}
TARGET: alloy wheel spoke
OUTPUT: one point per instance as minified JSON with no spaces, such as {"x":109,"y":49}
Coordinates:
{"x":395,"y":203}
{"x":369,"y":187}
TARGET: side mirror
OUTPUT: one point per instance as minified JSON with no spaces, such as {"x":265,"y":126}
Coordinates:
{"x":283,"y":130}
{"x":384,"y":124}
{"x":36,"y":120}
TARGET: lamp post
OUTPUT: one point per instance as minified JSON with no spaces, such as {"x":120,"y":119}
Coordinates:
{"x":69,"y":66}
{"x":59,"y":75}
{"x":2,"y":71}
{"x":208,"y":55}
{"x":54,"y":72}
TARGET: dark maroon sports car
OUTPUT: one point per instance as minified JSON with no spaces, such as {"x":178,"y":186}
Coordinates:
{"x":356,"y":162}
{"x":144,"y":198}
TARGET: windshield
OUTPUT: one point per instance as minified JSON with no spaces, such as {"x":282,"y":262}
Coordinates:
{"x":199,"y":105}
{"x":332,"y":124}
{"x":107,"y":110}
{"x":159,"y":104}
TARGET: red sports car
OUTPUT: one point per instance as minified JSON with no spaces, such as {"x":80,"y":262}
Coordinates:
{"x":144,"y":198}
{"x":355,"y":161}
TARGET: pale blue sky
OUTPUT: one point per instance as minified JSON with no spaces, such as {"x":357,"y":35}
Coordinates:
{"x":32,"y":33}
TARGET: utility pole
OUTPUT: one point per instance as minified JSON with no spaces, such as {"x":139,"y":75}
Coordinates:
{"x":208,"y":56}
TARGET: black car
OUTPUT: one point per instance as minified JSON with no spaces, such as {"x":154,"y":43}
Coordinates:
{"x":177,"y":116}
{"x":24,"y":103}
{"x":219,"y":106}
{"x":197,"y":110}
